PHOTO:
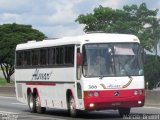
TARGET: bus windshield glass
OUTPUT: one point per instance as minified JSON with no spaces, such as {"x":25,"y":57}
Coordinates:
{"x":112,"y":59}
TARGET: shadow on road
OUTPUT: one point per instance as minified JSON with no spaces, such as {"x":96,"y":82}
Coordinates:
{"x":96,"y":115}
{"x":81,"y":115}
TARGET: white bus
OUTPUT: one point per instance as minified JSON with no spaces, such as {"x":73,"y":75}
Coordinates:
{"x":95,"y":71}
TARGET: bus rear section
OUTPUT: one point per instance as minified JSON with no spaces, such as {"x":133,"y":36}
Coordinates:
{"x":113,"y":76}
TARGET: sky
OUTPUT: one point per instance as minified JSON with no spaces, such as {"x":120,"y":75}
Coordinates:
{"x":56,"y":18}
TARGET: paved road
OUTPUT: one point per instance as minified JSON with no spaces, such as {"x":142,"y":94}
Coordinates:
{"x":9,"y":106}
{"x":7,"y":91}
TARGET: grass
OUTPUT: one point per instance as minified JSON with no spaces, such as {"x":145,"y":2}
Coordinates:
{"x":3,"y":82}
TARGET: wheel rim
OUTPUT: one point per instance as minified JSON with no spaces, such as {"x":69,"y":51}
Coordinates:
{"x":38,"y":104}
{"x":72,"y":106}
{"x":31,"y":102}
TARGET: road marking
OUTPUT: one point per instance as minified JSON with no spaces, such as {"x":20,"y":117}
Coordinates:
{"x":1,"y":112}
{"x":31,"y":116}
{"x":18,"y":104}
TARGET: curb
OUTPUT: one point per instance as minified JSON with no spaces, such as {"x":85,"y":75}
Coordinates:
{"x":7,"y":95}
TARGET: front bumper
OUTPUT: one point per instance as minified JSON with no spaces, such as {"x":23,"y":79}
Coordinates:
{"x":113,"y":102}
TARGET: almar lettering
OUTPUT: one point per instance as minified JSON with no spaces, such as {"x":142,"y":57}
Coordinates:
{"x":41,"y":76}
{"x":113,"y":86}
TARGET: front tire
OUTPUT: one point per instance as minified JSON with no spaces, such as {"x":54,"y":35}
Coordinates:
{"x":72,"y":107}
{"x":32,"y":103}
{"x":124,"y":111}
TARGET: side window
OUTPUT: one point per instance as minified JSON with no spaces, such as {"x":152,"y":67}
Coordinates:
{"x":27,"y":58}
{"x":35,"y":57}
{"x":19,"y":58}
{"x":60,"y":55}
{"x":43,"y":57}
{"x":52,"y":56}
{"x":69,"y":55}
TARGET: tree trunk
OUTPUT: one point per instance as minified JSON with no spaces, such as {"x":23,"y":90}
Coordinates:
{"x":8,"y":79}
{"x":7,"y":70}
{"x":156,"y":50}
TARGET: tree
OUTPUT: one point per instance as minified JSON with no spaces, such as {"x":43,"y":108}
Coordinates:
{"x":156,"y":30}
{"x":10,"y":36}
{"x":137,"y":20}
{"x":152,"y":70}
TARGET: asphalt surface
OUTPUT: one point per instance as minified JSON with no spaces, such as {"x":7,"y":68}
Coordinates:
{"x":7,"y":91}
{"x":11,"y":109}
{"x":9,"y":106}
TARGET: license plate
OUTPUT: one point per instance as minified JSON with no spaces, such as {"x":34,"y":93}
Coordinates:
{"x":116,"y":104}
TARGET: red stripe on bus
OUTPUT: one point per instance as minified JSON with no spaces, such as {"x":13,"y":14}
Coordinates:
{"x":41,"y":83}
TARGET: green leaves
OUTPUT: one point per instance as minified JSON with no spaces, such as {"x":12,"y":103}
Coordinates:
{"x":13,"y":34}
{"x":10,"y":36}
{"x":152,"y":70}
{"x":137,"y":20}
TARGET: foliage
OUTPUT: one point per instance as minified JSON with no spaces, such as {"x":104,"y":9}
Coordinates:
{"x":4,"y":83}
{"x":10,"y":36}
{"x":152,"y":70}
{"x":137,"y":20}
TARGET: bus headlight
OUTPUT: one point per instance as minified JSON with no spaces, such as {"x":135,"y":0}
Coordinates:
{"x":135,"y":92}
{"x":96,"y":94}
{"x":90,"y":94}
{"x":140,"y":92}
{"x":139,"y":102}
{"x":91,"y":105}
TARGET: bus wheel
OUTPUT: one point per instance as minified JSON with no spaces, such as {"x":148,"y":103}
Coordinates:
{"x":32,"y":103}
{"x":124,"y":111}
{"x":72,"y":107}
{"x":39,"y":109}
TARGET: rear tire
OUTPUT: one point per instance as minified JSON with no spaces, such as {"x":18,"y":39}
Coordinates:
{"x":124,"y":111}
{"x":72,"y":107}
{"x":32,"y":103}
{"x":39,"y":109}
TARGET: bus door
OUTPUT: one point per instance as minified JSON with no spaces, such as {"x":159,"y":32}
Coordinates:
{"x":78,"y":78}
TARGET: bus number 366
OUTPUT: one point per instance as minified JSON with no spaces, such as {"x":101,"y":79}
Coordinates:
{"x":92,"y":86}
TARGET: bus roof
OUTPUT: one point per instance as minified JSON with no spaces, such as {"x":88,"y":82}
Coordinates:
{"x":86,"y":38}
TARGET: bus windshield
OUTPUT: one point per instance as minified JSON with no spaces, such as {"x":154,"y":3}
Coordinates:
{"x":112,"y":59}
